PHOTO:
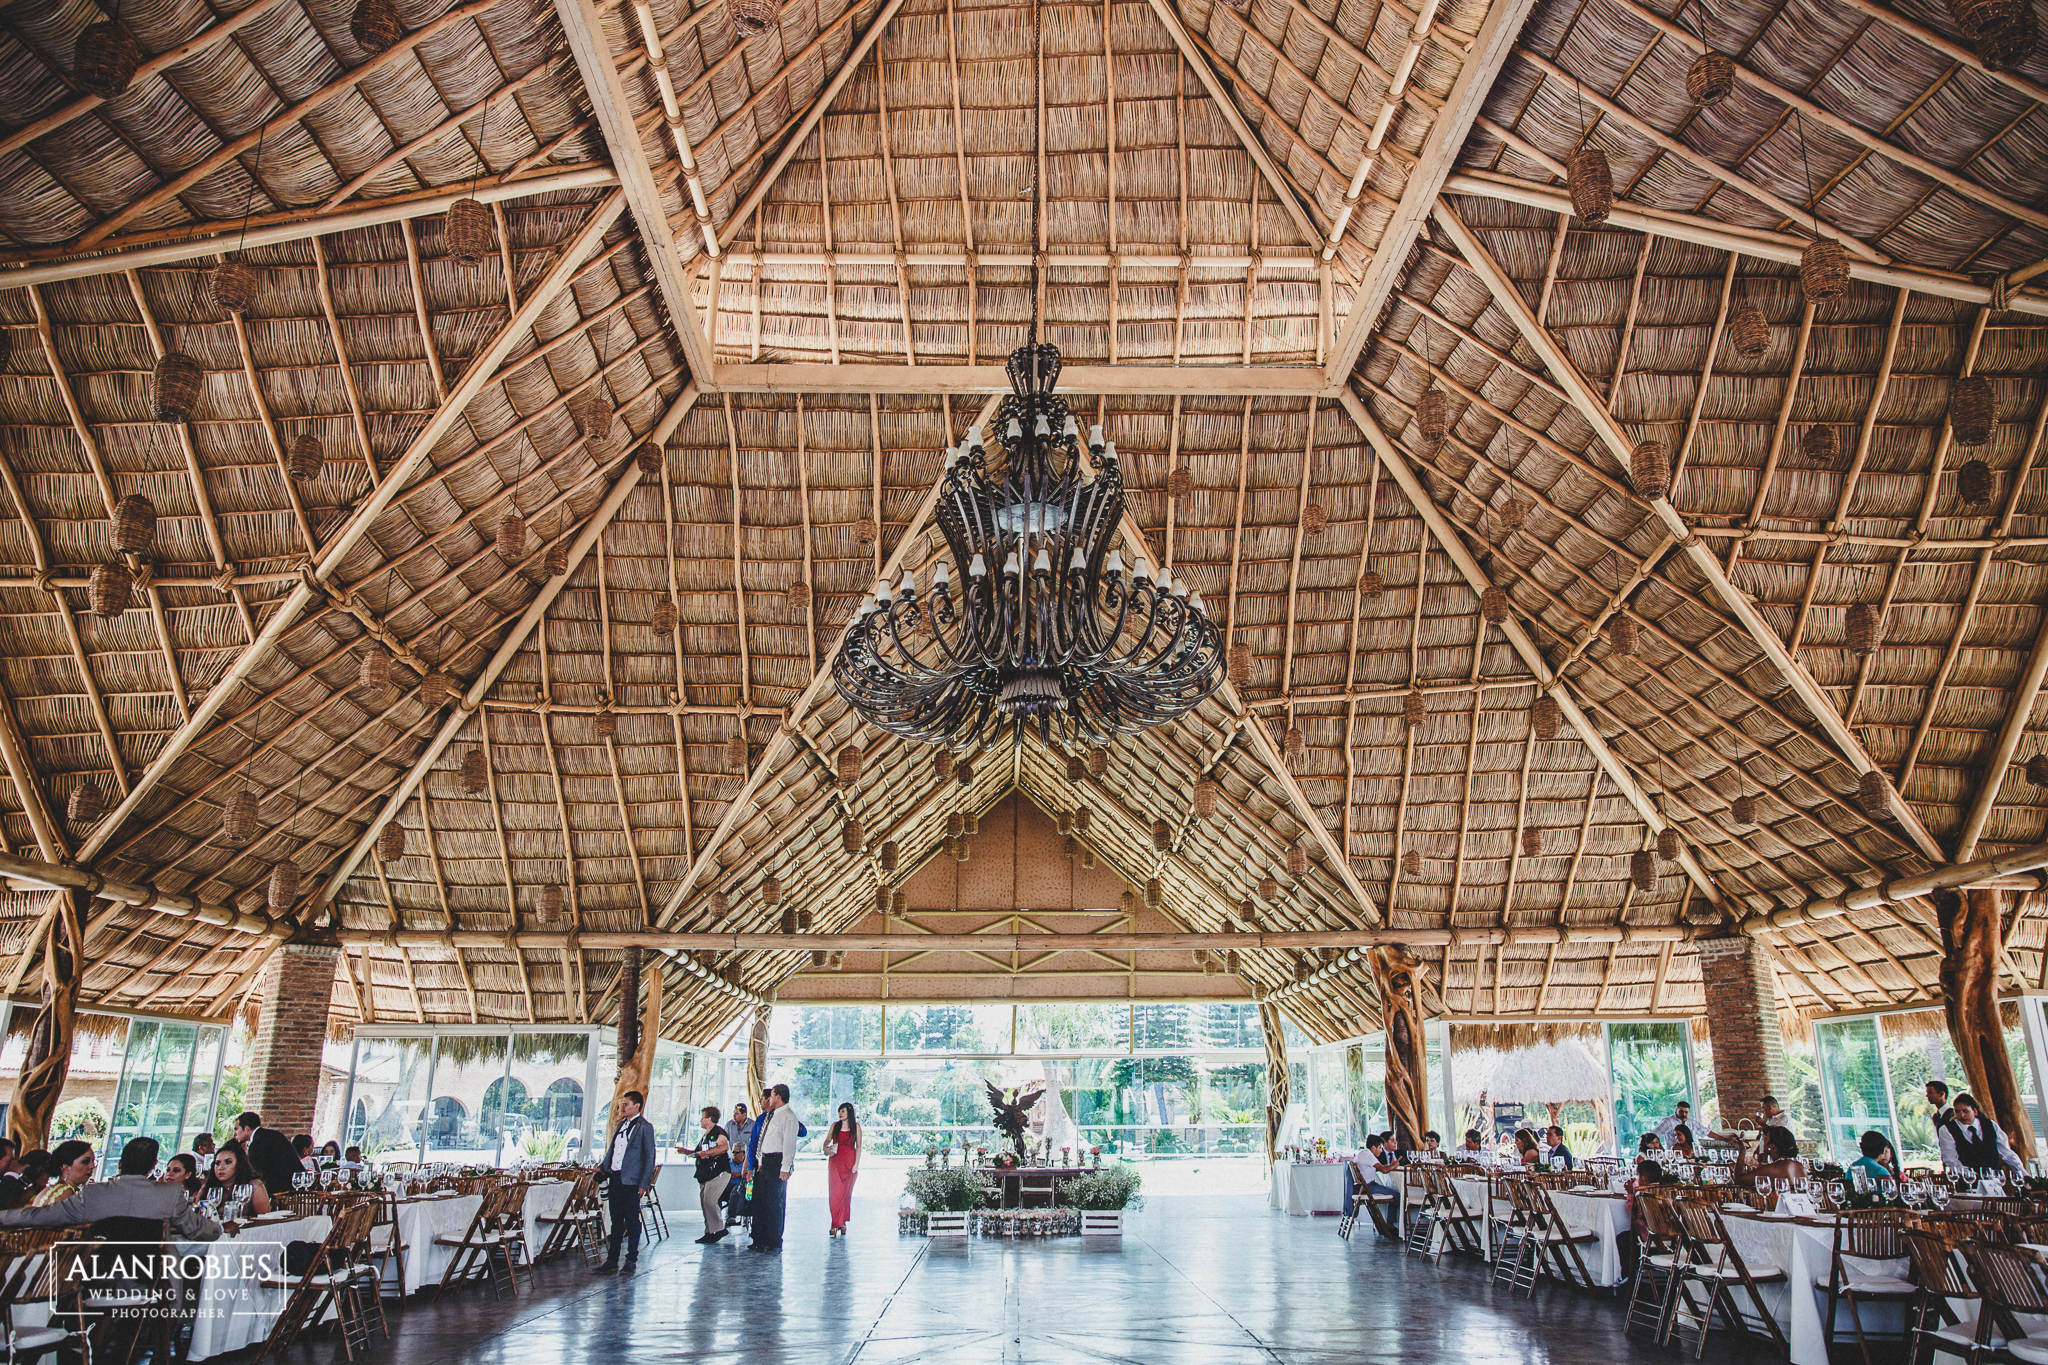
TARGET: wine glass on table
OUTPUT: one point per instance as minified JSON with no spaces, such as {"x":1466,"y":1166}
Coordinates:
{"x":1938,"y":1195}
{"x":1838,"y":1193}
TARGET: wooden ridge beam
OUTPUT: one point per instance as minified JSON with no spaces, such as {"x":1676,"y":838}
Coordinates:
{"x":1004,"y":942}
{"x":1271,"y":381}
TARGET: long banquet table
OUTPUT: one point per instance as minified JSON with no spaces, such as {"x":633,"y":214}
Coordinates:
{"x":1603,"y":1214}
{"x":1303,"y":1188}
{"x":1804,"y":1248}
{"x":423,"y":1218}
{"x":232,"y":1308}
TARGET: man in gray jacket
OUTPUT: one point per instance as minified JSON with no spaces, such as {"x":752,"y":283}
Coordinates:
{"x":626,"y":1173}
{"x":126,"y":1208}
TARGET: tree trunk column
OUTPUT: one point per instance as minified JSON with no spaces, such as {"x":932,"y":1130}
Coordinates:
{"x":1398,"y":974}
{"x":639,"y":1032}
{"x":1972,"y":943}
{"x":1279,"y":1084}
{"x":1742,"y":1021}
{"x":48,"y":1060}
{"x":291,"y":1035}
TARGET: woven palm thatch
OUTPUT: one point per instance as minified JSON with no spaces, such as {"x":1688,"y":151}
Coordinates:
{"x":306,"y":459}
{"x":1972,"y":410}
{"x":1749,"y":333}
{"x":1546,"y":717}
{"x":469,"y":233}
{"x":1591,"y":182}
{"x":376,"y":25}
{"x":1709,"y":79}
{"x":110,"y":588}
{"x":1649,"y":469}
{"x":174,"y":391}
{"x":238,"y":817}
{"x":1642,"y":871}
{"x":86,"y":803}
{"x":135,"y":525}
{"x":281,"y":890}
{"x":391,"y":842}
{"x":1823,"y":270}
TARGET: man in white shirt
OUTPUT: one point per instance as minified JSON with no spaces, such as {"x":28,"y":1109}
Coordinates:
{"x":1972,"y":1141}
{"x":774,"y":1159}
{"x":1681,"y":1114}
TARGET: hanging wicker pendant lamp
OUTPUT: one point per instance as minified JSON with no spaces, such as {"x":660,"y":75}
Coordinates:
{"x":1974,"y":16}
{"x":1668,"y":844}
{"x":593,"y":416}
{"x":469,"y":232}
{"x":476,"y":772}
{"x":1206,"y":791}
{"x":942,"y":764}
{"x":135,"y":525}
{"x":1742,"y":810}
{"x":973,"y":824}
{"x":736,"y":748}
{"x":233,"y":286}
{"x":550,"y":907}
{"x":376,"y":25}
{"x":1371,"y":586}
{"x":853,"y":837}
{"x":1821,"y":446}
{"x":1414,"y":708}
{"x":1649,"y":469}
{"x":1511,"y":516}
{"x":1972,"y":410}
{"x":1974,"y":482}
{"x":771,"y":891}
{"x":1269,"y":889}
{"x":1709,"y":79}
{"x":647,"y":459}
{"x":174,"y":388}
{"x":86,"y":804}
{"x":1411,"y":862}
{"x":1623,"y":635}
{"x":1532,"y":843}
{"x":1294,"y":743}
{"x":1546,"y":717}
{"x":1077,"y":767}
{"x":1493,"y":605}
{"x":305,"y":459}
{"x":1642,"y":870}
{"x":1863,"y":628}
{"x":865,"y":532}
{"x":1162,"y":837}
{"x":1233,"y":962}
{"x":892,"y":855}
{"x":956,"y":825}
{"x":1823,"y":270}
{"x":1433,"y":416}
{"x":664,"y":618}
{"x":1240,"y":665}
{"x":373,"y":670}
{"x":110,"y":588}
{"x":751,"y":17}
{"x":798,"y":597}
{"x":1314,"y":520}
{"x":556,"y":560}
{"x":1180,"y":483}
{"x":282,"y":890}
{"x":721,"y":905}
{"x":2037,"y":770}
{"x":1591,"y":182}
{"x":510,"y":538}
{"x":105,"y":59}
{"x":2009,"y":45}
{"x":391,"y":842}
{"x":1749,"y":333}
{"x":1870,"y":793}
{"x":606,"y":723}
{"x":238,"y":818}
{"x":850,"y":761}
{"x":1098,"y":762}
{"x":1297,"y":861}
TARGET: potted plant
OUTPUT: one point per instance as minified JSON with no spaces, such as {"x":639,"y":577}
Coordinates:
{"x":946,"y":1197}
{"x":1102,"y":1196}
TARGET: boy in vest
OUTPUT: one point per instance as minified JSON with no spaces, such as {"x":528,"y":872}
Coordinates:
{"x":1972,"y":1141}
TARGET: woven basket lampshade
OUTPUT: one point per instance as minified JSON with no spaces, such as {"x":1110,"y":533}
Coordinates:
{"x":174,"y":389}
{"x":1098,"y":762}
{"x":771,"y":891}
{"x":238,"y":818}
{"x":391,"y":842}
{"x":1972,"y":410}
{"x":85,"y":804}
{"x":282,"y":890}
{"x":1974,"y":16}
{"x":647,"y":458}
{"x":1532,"y":843}
{"x":1623,"y":635}
{"x":1314,"y":520}
{"x":105,"y":60}
{"x":817,"y":957}
{"x":1371,"y":586}
{"x":1239,"y":662}
{"x":892,"y":855}
{"x":1710,"y":78}
{"x":1649,"y":469}
{"x":942,"y":764}
{"x":1162,"y":836}
{"x":899,"y":902}
{"x":373,"y":670}
{"x":1081,"y":820}
{"x":1870,"y":793}
{"x":1864,"y":626}
{"x":798,"y":597}
{"x":1749,"y":333}
{"x":865,"y":533}
{"x":1821,"y":446}
{"x":721,"y":905}
{"x":593,"y":416}
{"x":956,"y":825}
{"x":1294,"y":743}
{"x":511,"y":537}
{"x":232,"y":285}
{"x":376,"y":24}
{"x":476,"y":772}
{"x":110,"y":588}
{"x":1974,"y":482}
{"x":1591,"y":182}
{"x":1233,"y":962}
{"x":550,"y":907}
{"x":1493,"y":605}
{"x":1642,"y":870}
{"x":135,"y":525}
{"x":305,"y":460}
{"x":1742,"y":810}
{"x":803,"y":921}
{"x":664,"y":618}
{"x":963,"y":773}
{"x":1511,"y":516}
{"x":1077,"y":767}
{"x":1823,"y":270}
{"x":973,"y":823}
{"x":1269,"y":889}
{"x":1180,"y":483}
{"x":1546,"y":717}
{"x":1668,"y":845}
{"x":1302,"y":969}
{"x":1206,"y":790}
{"x":850,"y":759}
{"x":1063,"y":821}
{"x":1297,"y":860}
{"x":437,"y":689}
{"x":1414,"y":707}
{"x":750,"y":17}
{"x":1411,"y":862}
{"x":1433,"y":416}
{"x":469,"y":233}
{"x":852,"y":836}
{"x":1127,"y":903}
{"x":736,"y":749}
{"x":556,"y":560}
{"x":2008,"y":45}
{"x":2037,"y":770}
{"x":606,"y":722}
{"x":1087,"y":858}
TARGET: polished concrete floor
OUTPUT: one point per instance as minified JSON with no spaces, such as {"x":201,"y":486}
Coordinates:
{"x":1194,"y":1280}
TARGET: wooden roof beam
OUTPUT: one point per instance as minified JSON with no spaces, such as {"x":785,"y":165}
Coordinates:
{"x":1259,"y":381}
{"x":1695,"y":552}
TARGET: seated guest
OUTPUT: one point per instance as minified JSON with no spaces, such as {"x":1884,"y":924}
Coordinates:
{"x":1781,"y":1159}
{"x":70,"y":1169}
{"x":1376,"y":1164}
{"x":330,"y":1153}
{"x":129,"y":1208}
{"x":1432,"y":1142}
{"x":232,"y":1179}
{"x":1872,"y":1163}
{"x":1473,"y":1142}
{"x":1973,"y":1141}
{"x":183,"y":1169}
{"x":352,"y":1161}
{"x":302,"y":1148}
{"x":1554,"y":1151}
{"x":1681,"y":1141}
{"x":202,"y":1145}
{"x":35,"y":1175}
{"x":1645,"y":1149}
{"x":1527,"y":1150}
{"x":10,"y":1172}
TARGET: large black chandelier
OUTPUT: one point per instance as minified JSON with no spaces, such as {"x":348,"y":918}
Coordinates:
{"x":1049,"y":630}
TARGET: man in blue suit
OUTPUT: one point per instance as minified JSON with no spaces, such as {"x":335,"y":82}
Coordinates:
{"x":627,"y":1173}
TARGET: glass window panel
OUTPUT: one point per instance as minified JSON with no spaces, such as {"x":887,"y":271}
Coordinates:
{"x":1226,"y":1027}
{"x":812,"y":1029}
{"x":949,"y":1028}
{"x":390,"y":1097}
{"x":206,"y":1060}
{"x":467,"y":1119}
{"x":548,"y":1073}
{"x":1852,"y":1082}
{"x":1073,"y":1028}
{"x":1647,"y":1064}
{"x":151,"y":1101}
{"x":668,"y":1097}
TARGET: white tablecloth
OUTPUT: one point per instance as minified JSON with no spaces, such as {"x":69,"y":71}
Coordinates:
{"x":1805,"y":1252}
{"x":1306,"y":1189}
{"x":232,"y":1309}
{"x":1605,"y":1215}
{"x":421,"y":1220}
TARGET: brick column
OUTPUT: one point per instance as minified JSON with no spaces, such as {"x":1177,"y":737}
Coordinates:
{"x":1742,"y":1021}
{"x":291,"y":1031}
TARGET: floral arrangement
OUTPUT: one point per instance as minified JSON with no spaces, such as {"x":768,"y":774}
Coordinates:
{"x":1005,"y":1161}
{"x":1059,"y":1222}
{"x":950,"y":1189}
{"x":1106,"y":1190}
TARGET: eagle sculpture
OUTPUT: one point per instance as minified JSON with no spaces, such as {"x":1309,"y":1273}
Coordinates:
{"x":1012,"y":1115}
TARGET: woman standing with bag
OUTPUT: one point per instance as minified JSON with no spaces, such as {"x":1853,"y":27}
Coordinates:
{"x":842,"y":1147}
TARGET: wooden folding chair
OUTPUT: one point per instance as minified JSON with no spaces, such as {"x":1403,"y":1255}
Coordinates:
{"x":1714,"y":1265}
{"x":387,"y":1242}
{"x":311,"y":1290}
{"x":581,"y":1222}
{"x":1448,"y":1223}
{"x":512,"y":1232}
{"x":1519,"y":1258}
{"x":655,"y":1220}
{"x":1561,"y":1240}
{"x":1939,"y":1274}
{"x":1864,"y":1235}
{"x":484,"y":1252}
{"x":26,"y":1276}
{"x":2012,"y":1280}
{"x":1660,"y":1258}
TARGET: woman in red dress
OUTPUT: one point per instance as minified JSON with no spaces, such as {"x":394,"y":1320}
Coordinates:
{"x":842,"y":1148}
